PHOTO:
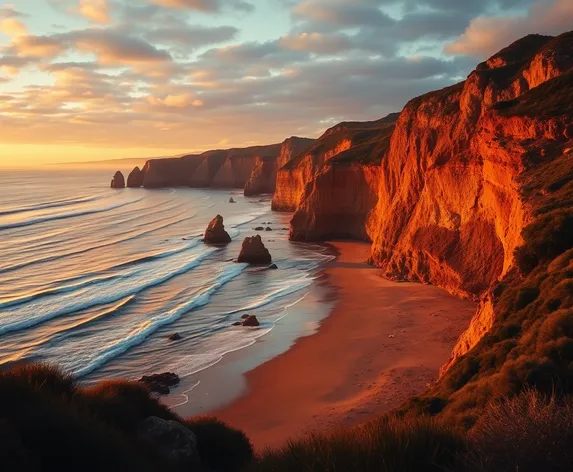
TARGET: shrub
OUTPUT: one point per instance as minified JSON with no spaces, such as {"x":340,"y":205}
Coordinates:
{"x":122,"y":404}
{"x":221,"y":448}
{"x":530,"y":432}
{"x":385,"y":445}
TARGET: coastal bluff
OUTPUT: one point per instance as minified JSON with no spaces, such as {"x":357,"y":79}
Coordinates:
{"x":252,"y":169}
{"x":450,"y":198}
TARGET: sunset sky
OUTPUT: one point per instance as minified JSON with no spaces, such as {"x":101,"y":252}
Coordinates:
{"x":103,"y":79}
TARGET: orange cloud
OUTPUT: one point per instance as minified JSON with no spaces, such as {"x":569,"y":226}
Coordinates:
{"x":12,"y":27}
{"x":487,"y":35}
{"x":95,"y":10}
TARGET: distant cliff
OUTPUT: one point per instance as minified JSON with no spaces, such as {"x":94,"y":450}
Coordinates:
{"x":264,"y":176}
{"x":250,"y":168}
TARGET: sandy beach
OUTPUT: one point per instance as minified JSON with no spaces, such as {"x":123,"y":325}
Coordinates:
{"x":383,"y":342}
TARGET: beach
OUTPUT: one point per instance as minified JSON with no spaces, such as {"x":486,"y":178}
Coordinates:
{"x":382,"y":342}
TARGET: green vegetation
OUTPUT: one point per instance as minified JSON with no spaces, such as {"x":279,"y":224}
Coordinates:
{"x":47,"y":422}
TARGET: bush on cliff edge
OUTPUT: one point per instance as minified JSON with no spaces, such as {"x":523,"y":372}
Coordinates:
{"x":47,"y":422}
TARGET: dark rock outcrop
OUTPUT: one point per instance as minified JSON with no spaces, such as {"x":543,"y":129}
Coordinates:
{"x":160,"y":383}
{"x":175,"y":441}
{"x":254,"y":251}
{"x":251,"y":321}
{"x":118,"y":180}
{"x":135,"y":178}
{"x":215,"y":233}
{"x":232,"y":200}
{"x":174,"y":337}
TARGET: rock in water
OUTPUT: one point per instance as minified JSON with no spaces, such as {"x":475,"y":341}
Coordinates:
{"x":254,"y":251}
{"x":118,"y":180}
{"x":177,"y":442}
{"x":215,"y":233}
{"x":251,"y":321}
{"x":174,"y":337}
{"x":135,"y":178}
{"x":231,"y":200}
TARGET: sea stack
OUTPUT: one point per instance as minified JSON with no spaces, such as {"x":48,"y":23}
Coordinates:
{"x":135,"y":178}
{"x":215,"y":233}
{"x":254,"y":251}
{"x":118,"y":180}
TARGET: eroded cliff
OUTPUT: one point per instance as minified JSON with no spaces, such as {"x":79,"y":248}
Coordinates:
{"x":337,"y":201}
{"x":264,"y":176}
{"x":300,"y":170}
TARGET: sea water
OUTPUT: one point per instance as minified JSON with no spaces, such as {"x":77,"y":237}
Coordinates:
{"x":95,"y":280}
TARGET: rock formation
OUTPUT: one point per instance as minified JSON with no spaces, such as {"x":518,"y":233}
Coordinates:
{"x":215,"y":233}
{"x":173,"y":439}
{"x":459,"y":181}
{"x":118,"y":180}
{"x":264,"y":175}
{"x":338,"y":200}
{"x":160,"y":383}
{"x":253,"y":251}
{"x":135,"y":178}
{"x":296,"y":173}
{"x":248,"y":321}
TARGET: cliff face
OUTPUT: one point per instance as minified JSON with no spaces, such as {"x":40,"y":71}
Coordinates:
{"x":450,"y":210}
{"x":264,"y":176}
{"x":172,"y":172}
{"x":339,"y":198}
{"x":300,"y":170}
{"x":254,"y":167}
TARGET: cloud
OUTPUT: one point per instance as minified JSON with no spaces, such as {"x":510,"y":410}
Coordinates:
{"x":209,"y":6}
{"x":342,"y":13}
{"x":112,"y":47}
{"x":95,"y":10}
{"x":487,"y":35}
{"x":316,"y":43}
{"x":12,"y":27}
{"x":191,"y":36}
{"x":183,"y":100}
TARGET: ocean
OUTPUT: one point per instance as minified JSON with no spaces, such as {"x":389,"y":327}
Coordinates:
{"x":95,"y":280}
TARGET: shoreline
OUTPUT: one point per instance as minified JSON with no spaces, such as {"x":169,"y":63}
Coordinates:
{"x":352,"y":367}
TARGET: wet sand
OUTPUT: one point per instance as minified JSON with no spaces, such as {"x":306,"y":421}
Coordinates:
{"x":383,"y":342}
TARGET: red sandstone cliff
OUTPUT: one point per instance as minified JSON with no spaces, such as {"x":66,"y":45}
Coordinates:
{"x":299,"y":171}
{"x":264,"y":175}
{"x":338,"y":200}
{"x":451,"y":206}
{"x":451,"y":192}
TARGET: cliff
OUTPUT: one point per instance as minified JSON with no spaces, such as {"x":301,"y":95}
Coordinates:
{"x":228,"y":168}
{"x":300,"y":170}
{"x":264,"y":175}
{"x":450,"y":210}
{"x":450,"y":197}
{"x":337,"y":202}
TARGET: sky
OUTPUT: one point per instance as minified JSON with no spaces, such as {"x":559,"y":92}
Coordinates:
{"x":104,"y":79}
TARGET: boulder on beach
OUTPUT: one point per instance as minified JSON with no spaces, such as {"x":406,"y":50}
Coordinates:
{"x":254,"y":251}
{"x":259,"y":228}
{"x":272,"y":267}
{"x":118,"y":180}
{"x":174,"y":337}
{"x":176,"y":441}
{"x":160,"y":383}
{"x":268,"y":228}
{"x":231,"y":200}
{"x":135,"y":178}
{"x":215,"y":233}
